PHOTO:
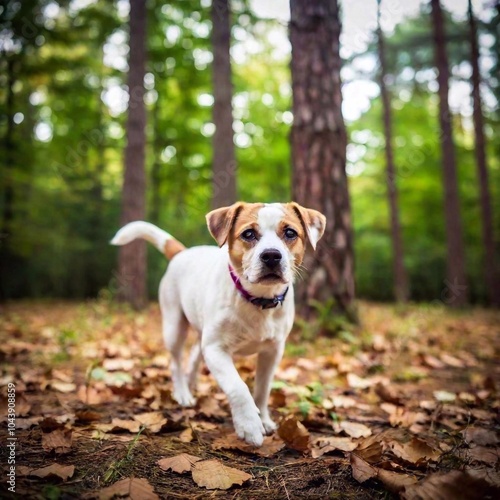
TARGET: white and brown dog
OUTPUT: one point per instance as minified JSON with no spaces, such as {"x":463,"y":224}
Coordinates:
{"x":238,"y":298}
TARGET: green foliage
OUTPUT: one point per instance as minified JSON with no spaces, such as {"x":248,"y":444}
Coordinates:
{"x":63,"y":79}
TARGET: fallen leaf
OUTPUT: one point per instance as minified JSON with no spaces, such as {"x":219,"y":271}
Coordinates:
{"x":88,"y":416}
{"x":433,"y":362}
{"x":117,"y":364}
{"x":214,"y":475}
{"x":415,"y":451}
{"x":270,"y":446}
{"x":452,"y":361}
{"x":357,"y":382}
{"x":352,"y":429}
{"x":456,"y":485}
{"x":395,"y":482}
{"x":180,"y":463}
{"x":385,"y":393}
{"x":480,"y":436}
{"x":485,"y":455}
{"x":445,"y":396}
{"x":50,"y":424}
{"x":294,"y":434}
{"x":362,"y":470}
{"x":54,"y":471}
{"x":27,"y":423}
{"x":210,"y":407}
{"x":153,"y":421}
{"x":132,"y":487}
{"x":370,"y":449}
{"x":58,"y":441}
{"x":65,"y":387}
{"x":186,"y":436}
{"x":322,"y":445}
{"x":119,"y":425}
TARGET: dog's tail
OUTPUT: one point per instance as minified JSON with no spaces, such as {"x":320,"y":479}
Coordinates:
{"x":162,"y":240}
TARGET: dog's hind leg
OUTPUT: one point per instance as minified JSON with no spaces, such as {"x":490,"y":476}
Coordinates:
{"x":195,"y":358}
{"x":175,"y":328}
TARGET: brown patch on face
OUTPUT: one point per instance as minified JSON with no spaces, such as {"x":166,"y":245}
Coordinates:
{"x":312,"y":221}
{"x":172,"y":248}
{"x":298,"y":245}
{"x":247,"y":219}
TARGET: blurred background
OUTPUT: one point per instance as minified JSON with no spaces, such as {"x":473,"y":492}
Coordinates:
{"x":64,"y":103}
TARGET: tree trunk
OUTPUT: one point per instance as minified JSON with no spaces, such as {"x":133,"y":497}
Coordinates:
{"x":224,"y":160}
{"x":492,"y":279}
{"x":8,"y":187}
{"x":318,"y":143}
{"x":156,"y":169}
{"x":399,"y":271}
{"x":455,"y":293}
{"x":132,"y":257}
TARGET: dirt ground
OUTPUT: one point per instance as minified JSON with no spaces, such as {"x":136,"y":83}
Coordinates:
{"x":405,"y":405}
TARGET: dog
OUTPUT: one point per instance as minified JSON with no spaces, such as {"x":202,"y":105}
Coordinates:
{"x":238,"y":298}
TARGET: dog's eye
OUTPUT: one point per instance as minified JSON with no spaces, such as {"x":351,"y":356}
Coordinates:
{"x":249,"y":235}
{"x":290,"y":234}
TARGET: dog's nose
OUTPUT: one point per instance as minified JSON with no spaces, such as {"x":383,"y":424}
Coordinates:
{"x":271,"y":257}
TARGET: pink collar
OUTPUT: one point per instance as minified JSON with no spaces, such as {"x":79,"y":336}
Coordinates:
{"x":262,"y":302}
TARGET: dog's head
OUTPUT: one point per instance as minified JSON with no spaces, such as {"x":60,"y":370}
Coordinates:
{"x":266,"y":242}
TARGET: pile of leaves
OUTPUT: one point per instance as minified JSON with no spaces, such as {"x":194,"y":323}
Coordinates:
{"x":406,"y":405}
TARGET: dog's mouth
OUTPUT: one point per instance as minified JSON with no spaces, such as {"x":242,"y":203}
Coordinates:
{"x":271,"y":278}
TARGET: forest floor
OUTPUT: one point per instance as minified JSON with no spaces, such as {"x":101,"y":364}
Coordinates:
{"x":405,"y":405}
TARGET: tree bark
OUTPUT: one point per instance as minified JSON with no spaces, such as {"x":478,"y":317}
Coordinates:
{"x":132,"y":257}
{"x":491,"y":277}
{"x":8,"y":187}
{"x":399,"y":271}
{"x":455,"y":293}
{"x":318,"y":143}
{"x":224,"y":160}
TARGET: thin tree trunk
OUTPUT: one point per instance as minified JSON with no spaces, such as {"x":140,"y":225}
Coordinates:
{"x":155,"y":171}
{"x":492,"y":279}
{"x":318,"y":143}
{"x":224,"y":160}
{"x":399,"y":271}
{"x":8,"y":194}
{"x":132,"y":257}
{"x":455,"y":293}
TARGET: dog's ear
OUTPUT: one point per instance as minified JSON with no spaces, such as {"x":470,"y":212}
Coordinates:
{"x":313,"y":222}
{"x":221,"y":220}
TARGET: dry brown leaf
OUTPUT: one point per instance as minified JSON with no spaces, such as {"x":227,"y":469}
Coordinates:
{"x":56,"y":471}
{"x":153,"y":421}
{"x":294,"y":434}
{"x":485,"y":455}
{"x":27,"y":423}
{"x":352,"y":429}
{"x":180,"y":463}
{"x":119,"y":425}
{"x":456,"y":485}
{"x":322,"y":445}
{"x":132,"y":487}
{"x":394,"y":481}
{"x":214,"y":475}
{"x":370,"y":449}
{"x":270,"y":446}
{"x":186,"y":436}
{"x":387,"y":394}
{"x":362,"y":470}
{"x":88,"y":416}
{"x":59,"y":441}
{"x":50,"y":424}
{"x":433,"y":362}
{"x":415,"y":451}
{"x":210,"y":407}
{"x":480,"y":436}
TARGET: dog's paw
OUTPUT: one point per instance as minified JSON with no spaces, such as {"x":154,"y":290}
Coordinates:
{"x":184,"y":398}
{"x":269,"y":425}
{"x":250,"y":428}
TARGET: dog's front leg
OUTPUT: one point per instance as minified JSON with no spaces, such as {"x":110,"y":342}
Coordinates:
{"x":246,"y":419}
{"x":267,"y":363}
